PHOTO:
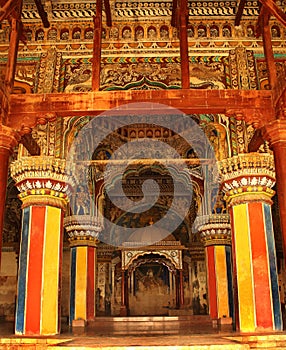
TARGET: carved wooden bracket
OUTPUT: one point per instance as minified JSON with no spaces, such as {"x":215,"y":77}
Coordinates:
{"x":257,"y":117}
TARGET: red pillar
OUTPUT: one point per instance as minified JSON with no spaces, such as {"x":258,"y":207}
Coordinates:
{"x":275,"y":133}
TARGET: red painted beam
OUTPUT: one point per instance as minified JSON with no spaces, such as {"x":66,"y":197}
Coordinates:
{"x":254,"y":105}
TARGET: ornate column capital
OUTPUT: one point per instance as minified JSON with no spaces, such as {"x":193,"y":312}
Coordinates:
{"x":248,"y":177}
{"x":215,"y":229}
{"x":82,"y":230}
{"x":42,"y":180}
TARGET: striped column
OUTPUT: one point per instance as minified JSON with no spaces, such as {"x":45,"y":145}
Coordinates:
{"x":83,"y":231}
{"x":248,"y":191}
{"x":216,"y":236}
{"x":39,"y":279}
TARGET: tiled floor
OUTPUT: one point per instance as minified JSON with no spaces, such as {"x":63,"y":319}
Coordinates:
{"x":150,"y":337}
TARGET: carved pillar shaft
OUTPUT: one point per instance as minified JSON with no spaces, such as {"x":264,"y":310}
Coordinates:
{"x":247,"y":181}
{"x":181,"y":286}
{"x":43,"y":187}
{"x":83,"y":231}
{"x":216,"y":236}
{"x":124,"y":293}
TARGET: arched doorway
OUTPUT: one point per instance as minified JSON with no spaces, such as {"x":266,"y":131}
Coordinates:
{"x":152,"y":282}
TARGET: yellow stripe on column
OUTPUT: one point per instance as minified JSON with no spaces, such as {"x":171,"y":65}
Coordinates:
{"x":244,"y":268}
{"x":51,"y":265}
{"x":221,"y":277}
{"x":81,"y":283}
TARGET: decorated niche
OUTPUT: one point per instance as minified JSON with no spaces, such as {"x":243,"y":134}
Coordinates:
{"x":190,"y":31}
{"x":152,"y":32}
{"x":88,"y":33}
{"x":139,"y":33}
{"x":64,"y":34}
{"x":114,"y":33}
{"x":126,"y":32}
{"x":164,"y":33}
{"x":76,"y":33}
{"x":52,"y":34}
{"x":216,"y":134}
{"x":214,"y":31}
{"x":40,"y":35}
{"x":275,"y":31}
{"x":28,"y":34}
{"x":202,"y":31}
{"x":226,"y":31}
{"x":250,"y":31}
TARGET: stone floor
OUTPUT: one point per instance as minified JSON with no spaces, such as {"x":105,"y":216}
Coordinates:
{"x":122,"y":336}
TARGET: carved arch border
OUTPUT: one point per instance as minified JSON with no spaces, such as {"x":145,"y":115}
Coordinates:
{"x":173,"y":255}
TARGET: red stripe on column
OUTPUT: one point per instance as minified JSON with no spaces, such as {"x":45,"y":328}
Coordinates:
{"x":34,"y":282}
{"x":90,"y":300}
{"x":212,"y":281}
{"x":260,"y":266}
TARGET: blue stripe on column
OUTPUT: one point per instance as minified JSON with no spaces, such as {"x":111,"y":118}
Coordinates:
{"x":273,"y":266}
{"x":72,"y":285}
{"x":22,"y":276}
{"x":229,"y":280}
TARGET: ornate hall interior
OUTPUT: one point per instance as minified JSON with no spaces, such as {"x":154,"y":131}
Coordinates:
{"x":143,"y":174}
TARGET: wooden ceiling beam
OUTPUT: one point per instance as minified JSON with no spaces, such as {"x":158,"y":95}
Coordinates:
{"x":108,"y":13}
{"x":8,"y":9}
{"x":274,"y":10}
{"x":268,"y":50}
{"x":239,"y":12}
{"x":42,"y":13}
{"x":174,"y":14}
{"x":184,"y":48}
{"x":97,"y":41}
{"x":254,"y":104}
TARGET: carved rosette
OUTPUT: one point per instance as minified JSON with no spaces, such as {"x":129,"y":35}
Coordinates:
{"x":42,"y":181}
{"x":216,"y":230}
{"x":82,"y":230}
{"x":248,"y":177}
